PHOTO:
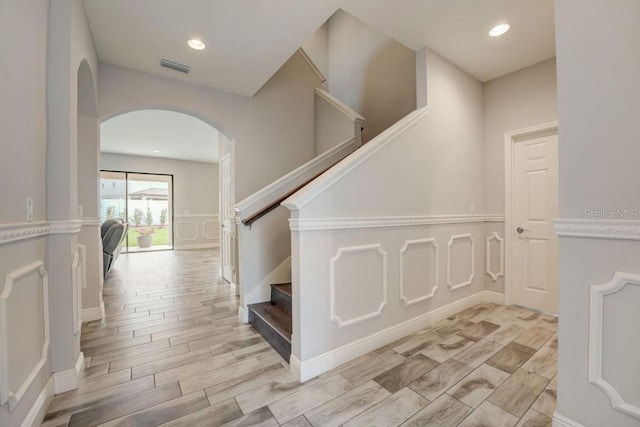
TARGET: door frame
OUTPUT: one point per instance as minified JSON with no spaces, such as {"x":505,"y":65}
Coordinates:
{"x":511,"y":138}
{"x":227,"y":157}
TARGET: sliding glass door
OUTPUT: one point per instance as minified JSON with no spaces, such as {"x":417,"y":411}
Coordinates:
{"x":145,"y":202}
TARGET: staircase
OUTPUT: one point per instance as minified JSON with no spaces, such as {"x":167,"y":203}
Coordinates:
{"x":272,"y":319}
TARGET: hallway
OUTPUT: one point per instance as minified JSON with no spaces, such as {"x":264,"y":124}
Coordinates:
{"x":171,"y":351}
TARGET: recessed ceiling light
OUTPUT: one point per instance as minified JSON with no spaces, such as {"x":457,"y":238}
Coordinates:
{"x":156,"y":151}
{"x":499,"y":30}
{"x":196,"y":44}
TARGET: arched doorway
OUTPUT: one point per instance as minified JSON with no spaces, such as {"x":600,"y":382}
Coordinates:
{"x":160,"y":174}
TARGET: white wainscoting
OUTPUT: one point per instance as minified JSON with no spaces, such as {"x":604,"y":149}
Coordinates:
{"x":358,"y":273}
{"x":12,"y":389}
{"x":418,"y":276}
{"x":196,"y":231}
{"x":461,"y":238}
{"x":341,"y":274}
{"x":596,"y":340}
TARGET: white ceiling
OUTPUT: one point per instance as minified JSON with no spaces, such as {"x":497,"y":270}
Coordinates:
{"x":248,"y":40}
{"x":174,"y":135}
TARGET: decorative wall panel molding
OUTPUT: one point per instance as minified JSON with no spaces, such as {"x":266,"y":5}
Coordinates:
{"x":596,"y":339}
{"x":82,"y":251}
{"x":91,"y":222}
{"x":460,"y":237}
{"x":186,"y":231}
{"x":207,"y":235}
{"x":343,"y":254}
{"x":405,"y":280}
{"x":495,"y":275}
{"x":314,"y":224}
{"x":598,"y":229}
{"x":22,"y":231}
{"x":8,"y":392}
{"x":77,"y":273}
{"x":71,"y":226}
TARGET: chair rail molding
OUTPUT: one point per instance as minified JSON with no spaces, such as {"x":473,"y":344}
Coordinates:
{"x":7,"y":394}
{"x":452,"y":241}
{"x":197,"y":215}
{"x":598,"y":229}
{"x":23,"y":231}
{"x":316,"y":224}
{"x":596,"y":339}
{"x":500,"y":273}
{"x":430,"y":243}
{"x":91,"y":222}
{"x":71,"y":226}
{"x":334,"y":315}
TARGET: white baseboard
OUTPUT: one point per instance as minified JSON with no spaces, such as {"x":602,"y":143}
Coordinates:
{"x":69,"y":379}
{"x":307,"y":369}
{"x":93,"y":313}
{"x":39,"y":409}
{"x":191,"y":246}
{"x":562,"y":421}
{"x":243,"y":315}
{"x":494,"y":297}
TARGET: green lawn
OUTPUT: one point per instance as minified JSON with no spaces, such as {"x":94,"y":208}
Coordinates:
{"x":161,"y":236}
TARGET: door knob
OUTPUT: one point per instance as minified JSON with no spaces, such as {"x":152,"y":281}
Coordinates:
{"x":520,"y":230}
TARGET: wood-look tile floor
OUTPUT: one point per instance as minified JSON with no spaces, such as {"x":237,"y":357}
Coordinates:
{"x":172,"y":352}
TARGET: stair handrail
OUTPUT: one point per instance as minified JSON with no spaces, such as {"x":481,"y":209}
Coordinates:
{"x":253,"y":218}
{"x":268,"y":198}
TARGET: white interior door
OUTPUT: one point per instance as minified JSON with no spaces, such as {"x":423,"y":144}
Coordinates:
{"x":535,"y":245}
{"x":226,"y":207}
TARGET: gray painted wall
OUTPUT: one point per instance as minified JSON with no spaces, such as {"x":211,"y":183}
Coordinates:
{"x":24,"y":138}
{"x":433,"y":168}
{"x":518,"y":100}
{"x":276,"y":134}
{"x":370,"y":72}
{"x":515,"y":101}
{"x":598,"y":103}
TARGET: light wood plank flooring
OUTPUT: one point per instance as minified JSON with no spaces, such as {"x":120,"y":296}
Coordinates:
{"x":171,"y":352}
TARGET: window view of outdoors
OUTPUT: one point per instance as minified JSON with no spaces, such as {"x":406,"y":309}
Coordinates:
{"x":144,"y":202}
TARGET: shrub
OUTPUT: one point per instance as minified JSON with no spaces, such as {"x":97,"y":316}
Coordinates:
{"x":111,"y":211}
{"x":136,"y":218}
{"x":164,"y":213}
{"x":149,"y":217}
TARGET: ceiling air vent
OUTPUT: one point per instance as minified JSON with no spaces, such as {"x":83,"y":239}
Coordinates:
{"x":175,"y":66}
